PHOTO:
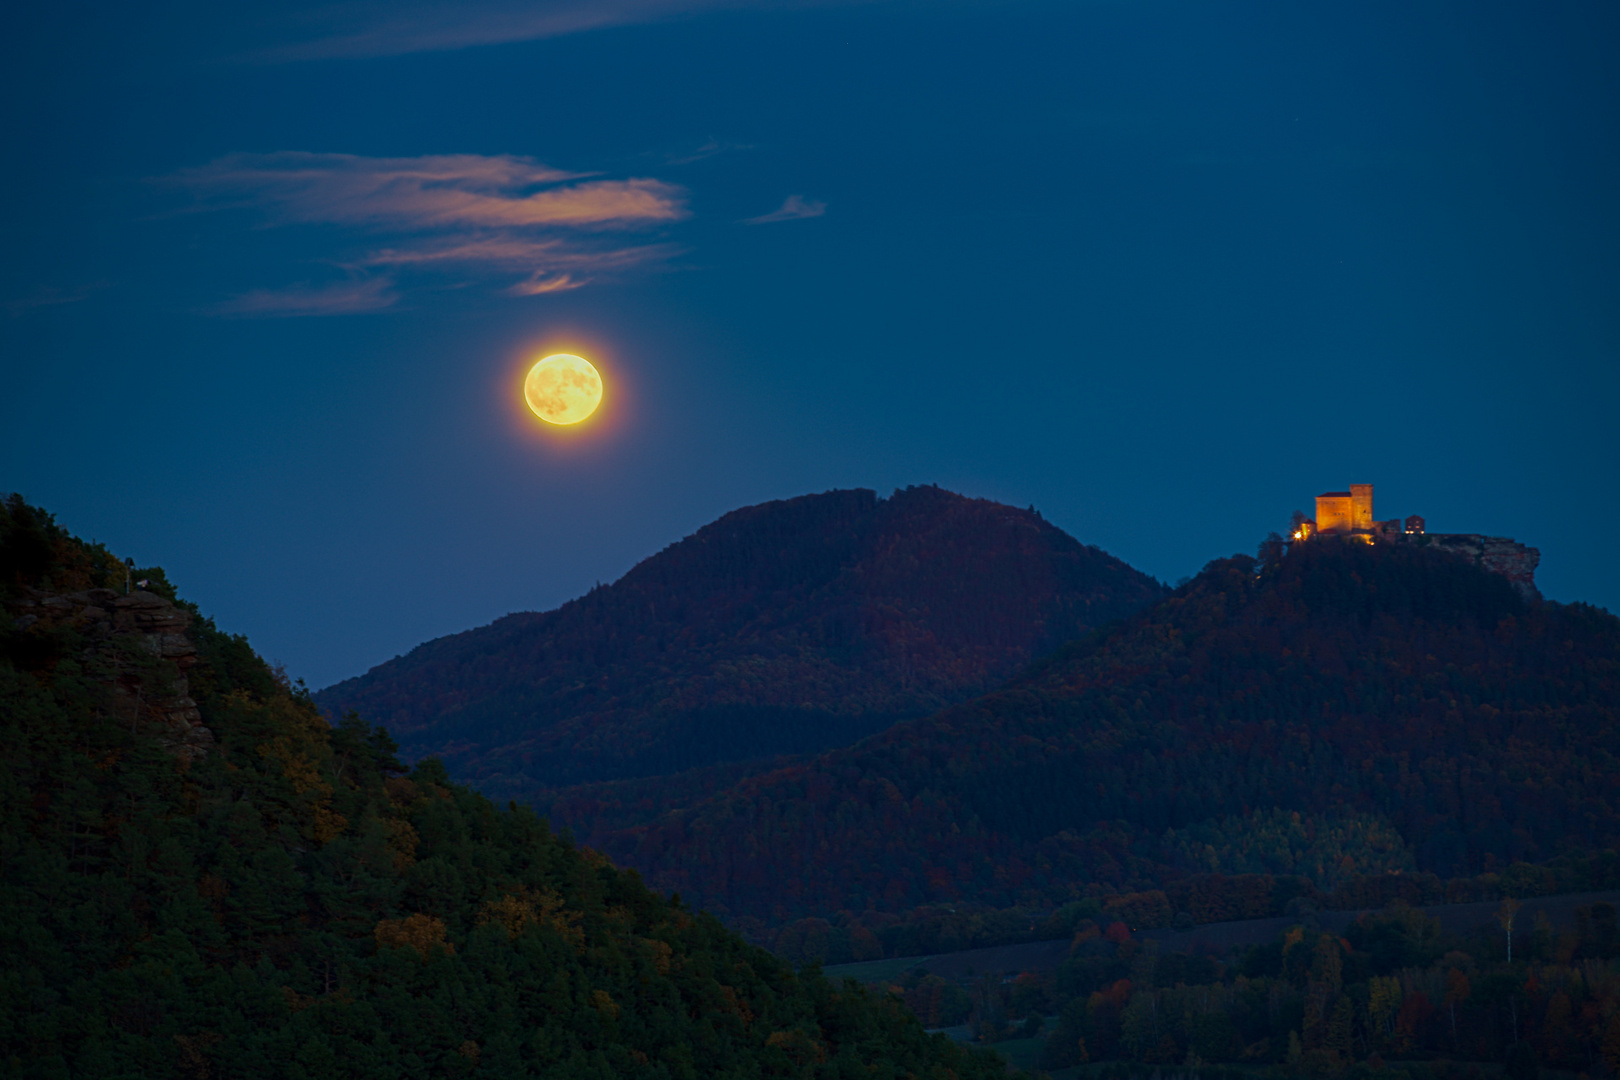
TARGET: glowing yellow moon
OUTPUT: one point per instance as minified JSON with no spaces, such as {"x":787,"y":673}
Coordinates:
{"x":563,"y":389}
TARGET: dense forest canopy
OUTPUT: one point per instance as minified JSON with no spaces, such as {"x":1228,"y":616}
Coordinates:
{"x":199,"y":876}
{"x":784,"y":628}
{"x":1395,"y":985}
{"x":1344,"y":710}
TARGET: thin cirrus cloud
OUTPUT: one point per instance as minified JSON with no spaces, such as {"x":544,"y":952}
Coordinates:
{"x":46,"y":296}
{"x":360,"y":28}
{"x":549,"y":265}
{"x":448,"y":190}
{"x":343,"y":298}
{"x":709,"y":149}
{"x":793,"y":208}
{"x":463,"y":214}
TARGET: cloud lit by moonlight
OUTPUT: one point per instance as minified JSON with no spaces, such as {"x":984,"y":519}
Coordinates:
{"x":563,"y":389}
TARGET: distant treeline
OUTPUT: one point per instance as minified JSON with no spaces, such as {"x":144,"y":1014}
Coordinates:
{"x":1192,"y":901}
{"x":1393,"y":987}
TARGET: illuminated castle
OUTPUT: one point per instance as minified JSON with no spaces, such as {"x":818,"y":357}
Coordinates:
{"x":1349,"y":514}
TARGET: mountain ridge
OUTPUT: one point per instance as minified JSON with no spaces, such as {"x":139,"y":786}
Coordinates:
{"x":781,"y":628}
{"x":1379,"y":691}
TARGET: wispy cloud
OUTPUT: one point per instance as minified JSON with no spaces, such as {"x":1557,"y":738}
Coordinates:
{"x":45,"y":296}
{"x":793,"y":208}
{"x":393,"y":27}
{"x":451,"y":190}
{"x":708,"y":150}
{"x":541,"y":283}
{"x":543,"y":257}
{"x":345,"y":298}
{"x":460,"y":213}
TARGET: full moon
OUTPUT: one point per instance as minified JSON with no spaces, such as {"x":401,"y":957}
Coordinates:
{"x":563,"y":389}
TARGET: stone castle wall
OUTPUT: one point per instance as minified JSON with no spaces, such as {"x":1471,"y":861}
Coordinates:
{"x":1334,"y":513}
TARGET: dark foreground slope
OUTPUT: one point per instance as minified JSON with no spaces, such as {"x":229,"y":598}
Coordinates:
{"x":1346,"y":709}
{"x":787,"y":627}
{"x":199,"y":877}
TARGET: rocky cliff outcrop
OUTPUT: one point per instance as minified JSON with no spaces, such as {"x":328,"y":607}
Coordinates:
{"x":1498,"y":554}
{"x":138,"y":647}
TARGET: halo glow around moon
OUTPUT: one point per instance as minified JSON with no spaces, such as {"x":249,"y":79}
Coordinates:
{"x":563,"y":389}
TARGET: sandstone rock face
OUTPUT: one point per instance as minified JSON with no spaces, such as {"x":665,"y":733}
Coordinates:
{"x":161,"y":623}
{"x":1511,"y":559}
{"x":114,"y":626}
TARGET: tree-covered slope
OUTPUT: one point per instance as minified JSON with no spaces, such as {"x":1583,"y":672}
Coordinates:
{"x":787,"y":627}
{"x":1342,"y":710}
{"x":199,"y":877}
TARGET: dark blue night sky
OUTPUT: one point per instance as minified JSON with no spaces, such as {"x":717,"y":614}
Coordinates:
{"x":1164,"y":270}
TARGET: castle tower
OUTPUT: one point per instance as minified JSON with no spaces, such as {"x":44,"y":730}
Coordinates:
{"x":1334,"y":512}
{"x":1361,"y":508}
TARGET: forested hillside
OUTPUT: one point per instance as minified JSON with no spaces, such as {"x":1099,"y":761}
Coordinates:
{"x":788,"y":627}
{"x":1344,"y":710}
{"x":200,"y":877}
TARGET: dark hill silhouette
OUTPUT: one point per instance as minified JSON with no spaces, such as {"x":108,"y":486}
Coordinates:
{"x":787,"y":627}
{"x":1344,"y":709}
{"x":202,"y":878}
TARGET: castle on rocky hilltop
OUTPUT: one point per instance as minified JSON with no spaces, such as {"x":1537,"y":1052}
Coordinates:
{"x":1349,"y":514}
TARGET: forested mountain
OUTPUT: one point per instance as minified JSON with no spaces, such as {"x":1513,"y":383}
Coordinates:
{"x":788,"y":627}
{"x":1341,"y":710}
{"x":199,"y":877}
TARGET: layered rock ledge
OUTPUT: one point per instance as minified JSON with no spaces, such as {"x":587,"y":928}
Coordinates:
{"x":1498,"y":554}
{"x":119,"y":630}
